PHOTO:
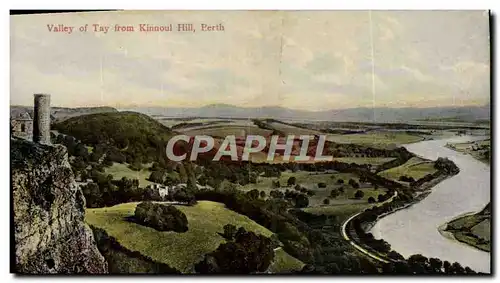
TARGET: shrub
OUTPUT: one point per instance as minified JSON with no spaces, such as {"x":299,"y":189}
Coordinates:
{"x":334,"y":193}
{"x":291,"y":181}
{"x":359,"y":194}
{"x":262,"y":194}
{"x":371,"y":200}
{"x":229,"y":231}
{"x":326,"y":201}
{"x":161,"y":217}
{"x":248,"y":253}
{"x":321,"y":185}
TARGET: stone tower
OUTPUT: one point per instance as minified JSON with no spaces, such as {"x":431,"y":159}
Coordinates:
{"x":41,"y":119}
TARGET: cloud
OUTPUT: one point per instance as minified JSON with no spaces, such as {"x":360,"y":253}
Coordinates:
{"x":300,"y":59}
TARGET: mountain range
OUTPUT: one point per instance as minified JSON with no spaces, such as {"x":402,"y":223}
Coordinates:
{"x":382,"y":114}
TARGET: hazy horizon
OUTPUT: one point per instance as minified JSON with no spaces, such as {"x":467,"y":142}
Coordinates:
{"x":302,"y":60}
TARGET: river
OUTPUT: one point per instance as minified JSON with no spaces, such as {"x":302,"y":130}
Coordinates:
{"x":415,"y":230}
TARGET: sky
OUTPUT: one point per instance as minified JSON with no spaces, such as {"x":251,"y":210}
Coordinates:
{"x":309,"y":60}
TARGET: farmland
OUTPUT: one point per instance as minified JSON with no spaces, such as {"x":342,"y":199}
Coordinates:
{"x":415,"y":167}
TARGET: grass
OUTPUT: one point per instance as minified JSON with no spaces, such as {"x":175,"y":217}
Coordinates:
{"x":364,"y":160}
{"x":472,"y":229}
{"x":180,"y":250}
{"x":343,"y":211}
{"x":310,"y":180}
{"x":292,"y":130}
{"x":377,"y":138}
{"x":415,"y":167}
{"x":226,"y":130}
{"x":285,"y":263}
{"x":467,"y":148}
{"x":119,"y":170}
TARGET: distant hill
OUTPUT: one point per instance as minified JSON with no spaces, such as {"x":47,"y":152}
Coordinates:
{"x":62,"y":113}
{"x":465,"y":113}
{"x":137,"y":136}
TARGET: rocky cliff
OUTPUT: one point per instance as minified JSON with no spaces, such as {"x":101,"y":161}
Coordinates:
{"x":48,"y":213}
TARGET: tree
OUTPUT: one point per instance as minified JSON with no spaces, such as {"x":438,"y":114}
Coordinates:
{"x":262,"y":194}
{"x":161,"y":217}
{"x":355,"y":185}
{"x":229,"y":231}
{"x":446,"y":266}
{"x":157,"y":177}
{"x":395,"y":255}
{"x":359,"y":194}
{"x":248,"y":253}
{"x":340,"y":181}
{"x":341,"y":189}
{"x":276,"y":184}
{"x":301,"y":201}
{"x":326,"y":201}
{"x":381,"y":198}
{"x":321,"y":185}
{"x":291,"y":181}
{"x":456,"y":268}
{"x":436,"y":264}
{"x":334,"y":193}
{"x":371,"y":200}
{"x":253,"y":194}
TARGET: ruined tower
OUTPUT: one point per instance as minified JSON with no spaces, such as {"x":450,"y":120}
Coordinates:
{"x":41,"y":119}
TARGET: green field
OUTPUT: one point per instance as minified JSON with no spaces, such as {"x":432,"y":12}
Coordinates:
{"x":285,"y":263}
{"x":364,"y":160}
{"x":292,"y":130}
{"x":376,"y":138}
{"x":119,"y":170}
{"x":476,"y":149}
{"x":343,"y":211}
{"x":180,"y":250}
{"x":415,"y":167}
{"x":474,"y":230}
{"x":226,"y":130}
{"x":310,"y":180}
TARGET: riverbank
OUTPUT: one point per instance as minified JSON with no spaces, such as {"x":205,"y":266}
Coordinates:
{"x":471,"y":229}
{"x":420,"y":193}
{"x":479,"y":149}
{"x":414,"y":230}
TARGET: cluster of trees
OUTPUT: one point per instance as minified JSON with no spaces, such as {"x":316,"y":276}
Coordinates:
{"x":104,"y":191}
{"x":419,"y":264}
{"x":272,"y":213}
{"x":133,"y":137}
{"x":244,"y":253}
{"x":447,"y":166}
{"x":405,"y":178}
{"x":367,"y":239}
{"x":161,"y":217}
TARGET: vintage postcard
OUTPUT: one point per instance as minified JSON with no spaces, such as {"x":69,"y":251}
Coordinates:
{"x":250,"y":142}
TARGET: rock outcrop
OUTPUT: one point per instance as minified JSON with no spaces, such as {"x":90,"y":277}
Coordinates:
{"x":48,"y":210}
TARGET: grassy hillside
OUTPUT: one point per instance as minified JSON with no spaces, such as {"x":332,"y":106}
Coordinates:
{"x":178,"y":250}
{"x":415,"y":167}
{"x":119,"y":170}
{"x":136,"y":135}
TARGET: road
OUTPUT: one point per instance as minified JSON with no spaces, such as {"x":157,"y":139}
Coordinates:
{"x":343,"y":231}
